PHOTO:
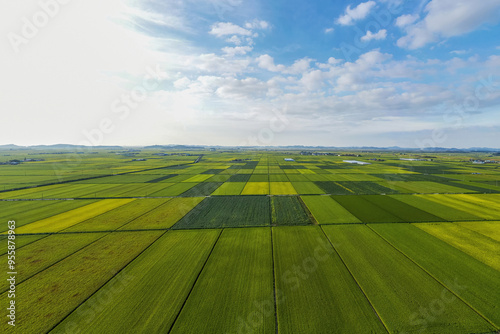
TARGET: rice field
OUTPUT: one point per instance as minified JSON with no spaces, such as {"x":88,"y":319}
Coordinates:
{"x":246,"y":242}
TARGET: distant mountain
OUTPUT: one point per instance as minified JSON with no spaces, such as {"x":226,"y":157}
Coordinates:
{"x":288,"y":147}
{"x":11,"y":147}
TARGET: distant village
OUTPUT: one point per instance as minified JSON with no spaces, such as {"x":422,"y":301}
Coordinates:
{"x":17,"y":162}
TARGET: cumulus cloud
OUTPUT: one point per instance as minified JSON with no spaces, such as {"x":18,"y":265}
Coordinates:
{"x":227,"y":28}
{"x":404,"y":20}
{"x":267,"y":62}
{"x":449,"y":18}
{"x":237,"y":50}
{"x":358,"y":13}
{"x":381,"y":34}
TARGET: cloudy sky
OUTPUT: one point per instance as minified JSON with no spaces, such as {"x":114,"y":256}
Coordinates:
{"x":240,"y":72}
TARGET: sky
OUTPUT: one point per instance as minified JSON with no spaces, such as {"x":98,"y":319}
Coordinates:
{"x":250,"y":72}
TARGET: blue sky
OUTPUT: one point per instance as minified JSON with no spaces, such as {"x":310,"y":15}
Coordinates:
{"x":235,"y":72}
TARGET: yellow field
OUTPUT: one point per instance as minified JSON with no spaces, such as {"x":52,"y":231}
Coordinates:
{"x":282,"y":188}
{"x":473,"y":243}
{"x":256,"y":188}
{"x":199,"y":178}
{"x":64,"y":220}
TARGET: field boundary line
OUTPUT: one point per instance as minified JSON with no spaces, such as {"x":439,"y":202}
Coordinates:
{"x":195,"y":281}
{"x":434,"y":278}
{"x":355,"y":280}
{"x":102,"y":285}
{"x":274,"y":283}
{"x":63,"y":231}
{"x":63,"y":258}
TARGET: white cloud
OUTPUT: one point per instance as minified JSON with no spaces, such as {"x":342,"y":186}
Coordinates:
{"x":267,"y":62}
{"x":381,"y":34}
{"x":234,"y":39}
{"x":404,"y":20}
{"x":227,"y":28}
{"x":459,"y":52}
{"x":449,"y":18}
{"x":257,"y":24}
{"x":357,"y":13}
{"x":237,"y":50}
{"x":328,"y":30}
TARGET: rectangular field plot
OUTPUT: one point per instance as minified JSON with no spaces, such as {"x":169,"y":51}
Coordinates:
{"x":288,"y":210}
{"x":164,"y":215}
{"x":118,"y":217}
{"x":173,"y":190}
{"x":473,"y":243}
{"x":239,"y":178}
{"x":397,"y":288}
{"x":402,"y":210}
{"x":46,"y":298}
{"x":489,"y":229}
{"x":64,"y":220}
{"x":234,"y":291}
{"x":228,"y":211}
{"x":307,"y":188}
{"x":25,"y":212}
{"x":281,"y":188}
{"x":256,"y":188}
{"x":327,"y":211}
{"x":437,"y":209}
{"x":478,"y":205}
{"x":471,"y":280}
{"x":43,"y":253}
{"x":423,"y":187}
{"x":151,"y":290}
{"x":314,"y":291}
{"x":202,"y":189}
{"x":229,"y":188}
{"x":366,"y":211}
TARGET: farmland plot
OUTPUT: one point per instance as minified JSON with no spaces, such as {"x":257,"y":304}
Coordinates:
{"x":281,"y":188}
{"x":202,"y":189}
{"x":228,"y":211}
{"x":46,"y":298}
{"x":64,"y":220}
{"x":473,"y":243}
{"x":474,"y":204}
{"x":435,"y":208}
{"x":25,"y":212}
{"x":327,"y":211}
{"x":115,"y":218}
{"x":288,"y":210}
{"x":402,"y":210}
{"x":307,"y":188}
{"x":488,"y":229}
{"x":164,"y":215}
{"x":151,"y":289}
{"x":42,"y":254}
{"x":314,"y":291}
{"x":365,"y":210}
{"x":234,"y":292}
{"x":256,"y":188}
{"x":471,"y":280}
{"x":229,"y":188}
{"x":397,"y":288}
{"x":173,"y":190}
